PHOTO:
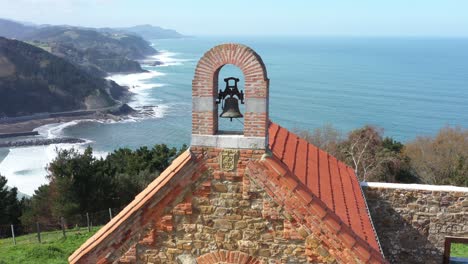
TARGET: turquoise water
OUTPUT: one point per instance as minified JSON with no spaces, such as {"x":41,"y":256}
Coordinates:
{"x":408,"y":86}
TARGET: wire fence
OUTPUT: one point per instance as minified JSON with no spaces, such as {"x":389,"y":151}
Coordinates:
{"x":53,"y":230}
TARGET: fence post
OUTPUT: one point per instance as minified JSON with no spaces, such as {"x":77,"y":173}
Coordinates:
{"x":13,"y":234}
{"x":110,"y":214}
{"x":38,"y":232}
{"x":87,"y":222}
{"x":62,"y":223}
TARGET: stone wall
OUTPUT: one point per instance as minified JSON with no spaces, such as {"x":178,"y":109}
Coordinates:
{"x":229,"y":213}
{"x":412,"y":223}
{"x":218,"y":213}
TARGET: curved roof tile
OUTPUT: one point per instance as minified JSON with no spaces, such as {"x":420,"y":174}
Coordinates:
{"x":329,"y":179}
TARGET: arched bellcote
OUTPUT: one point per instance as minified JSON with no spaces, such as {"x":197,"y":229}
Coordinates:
{"x":205,"y":92}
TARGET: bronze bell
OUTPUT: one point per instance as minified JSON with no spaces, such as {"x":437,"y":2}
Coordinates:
{"x":230,"y":105}
{"x":231,"y":109}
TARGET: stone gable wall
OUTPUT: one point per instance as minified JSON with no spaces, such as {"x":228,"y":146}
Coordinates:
{"x":223,"y":212}
{"x":412,"y":224}
{"x":226,"y":212}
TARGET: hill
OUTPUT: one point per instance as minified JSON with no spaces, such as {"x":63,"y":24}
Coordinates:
{"x":33,"y":80}
{"x":96,"y":52}
{"x":12,"y":29}
{"x":127,"y":45}
{"x":153,"y":32}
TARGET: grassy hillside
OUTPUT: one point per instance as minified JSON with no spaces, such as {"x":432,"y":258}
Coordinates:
{"x":55,"y":251}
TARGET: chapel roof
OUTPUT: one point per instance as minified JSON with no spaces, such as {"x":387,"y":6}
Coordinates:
{"x":328,"y":179}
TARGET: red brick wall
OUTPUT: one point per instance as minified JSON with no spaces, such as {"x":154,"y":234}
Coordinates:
{"x":205,"y":84}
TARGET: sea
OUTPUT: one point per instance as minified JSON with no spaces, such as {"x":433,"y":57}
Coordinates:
{"x":408,"y":86}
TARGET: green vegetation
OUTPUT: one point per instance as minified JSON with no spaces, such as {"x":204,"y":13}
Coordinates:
{"x":459,"y":250}
{"x":94,"y":51}
{"x":10,"y":206}
{"x":79,"y":182}
{"x":41,"y":45}
{"x":55,"y":250}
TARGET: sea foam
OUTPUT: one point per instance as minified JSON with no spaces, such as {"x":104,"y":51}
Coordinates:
{"x":168,"y":58}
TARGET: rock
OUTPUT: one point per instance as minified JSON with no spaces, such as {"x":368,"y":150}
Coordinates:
{"x":41,"y":142}
{"x":222,"y":224}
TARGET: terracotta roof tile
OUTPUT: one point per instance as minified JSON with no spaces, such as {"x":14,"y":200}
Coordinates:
{"x":327,"y":178}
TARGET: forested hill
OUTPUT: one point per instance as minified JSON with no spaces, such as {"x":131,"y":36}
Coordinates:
{"x":96,"y":52}
{"x":153,"y":32}
{"x":12,"y":29}
{"x":34,"y":81}
{"x":128,"y":45}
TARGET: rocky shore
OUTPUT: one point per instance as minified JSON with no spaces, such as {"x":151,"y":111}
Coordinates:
{"x":40,"y":142}
{"x":27,"y":126}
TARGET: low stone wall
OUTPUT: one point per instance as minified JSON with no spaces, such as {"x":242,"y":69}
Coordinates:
{"x":412,"y":221}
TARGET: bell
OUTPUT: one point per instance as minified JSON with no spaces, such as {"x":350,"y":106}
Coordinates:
{"x":231,"y":109}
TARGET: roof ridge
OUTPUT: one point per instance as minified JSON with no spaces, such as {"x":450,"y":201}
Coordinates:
{"x":344,"y":195}
{"x":331,"y":183}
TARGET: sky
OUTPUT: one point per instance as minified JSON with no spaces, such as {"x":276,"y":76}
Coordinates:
{"x":255,"y":17}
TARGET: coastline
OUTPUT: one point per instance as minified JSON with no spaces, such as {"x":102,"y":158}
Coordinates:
{"x":17,"y":128}
{"x":38,"y":151}
{"x":12,"y":129}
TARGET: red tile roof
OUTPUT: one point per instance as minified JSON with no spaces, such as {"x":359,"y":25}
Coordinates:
{"x":327,"y":178}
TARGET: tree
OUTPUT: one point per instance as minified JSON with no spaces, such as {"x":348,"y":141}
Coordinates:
{"x":73,"y":182}
{"x":38,"y":208}
{"x":79,"y":183}
{"x":10,"y":206}
{"x":375,"y":158}
{"x":362,"y":151}
{"x":327,"y":138}
{"x":442,"y":159}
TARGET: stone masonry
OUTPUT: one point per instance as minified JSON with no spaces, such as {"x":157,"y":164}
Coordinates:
{"x":226,"y":211}
{"x":412,"y":224}
{"x":261,"y":196}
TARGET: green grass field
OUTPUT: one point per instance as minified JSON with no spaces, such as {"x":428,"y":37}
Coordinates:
{"x":459,"y":250}
{"x":53,"y":250}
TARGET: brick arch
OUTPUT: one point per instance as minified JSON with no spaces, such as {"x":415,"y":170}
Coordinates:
{"x":205,"y":84}
{"x":227,"y":257}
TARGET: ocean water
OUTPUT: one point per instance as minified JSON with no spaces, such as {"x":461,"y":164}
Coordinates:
{"x":408,"y":86}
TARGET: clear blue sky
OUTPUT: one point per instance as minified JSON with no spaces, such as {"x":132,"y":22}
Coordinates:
{"x":255,"y":17}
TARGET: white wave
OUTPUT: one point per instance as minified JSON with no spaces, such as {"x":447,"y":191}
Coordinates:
{"x":140,"y":84}
{"x":168,"y":58}
{"x":137,"y":81}
{"x":25,"y":168}
{"x":54,"y":130}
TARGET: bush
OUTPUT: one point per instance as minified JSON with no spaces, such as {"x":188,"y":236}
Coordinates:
{"x":442,"y":159}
